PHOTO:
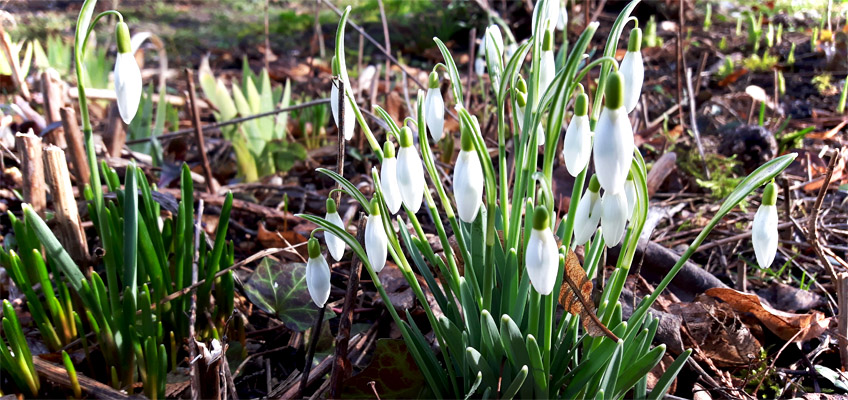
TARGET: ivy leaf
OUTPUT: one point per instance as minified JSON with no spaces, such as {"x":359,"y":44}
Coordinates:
{"x":280,"y":289}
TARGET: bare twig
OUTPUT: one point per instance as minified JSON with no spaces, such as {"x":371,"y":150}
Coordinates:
{"x":59,"y":375}
{"x":52,"y":92}
{"x":211,"y":184}
{"x":67,"y":217}
{"x":388,"y":43}
{"x":75,"y":146}
{"x":693,"y":120}
{"x":341,"y":363}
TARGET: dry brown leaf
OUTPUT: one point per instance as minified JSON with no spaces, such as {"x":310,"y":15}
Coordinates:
{"x":575,"y":295}
{"x":787,"y":326}
{"x":828,"y":133}
{"x":733,"y":77}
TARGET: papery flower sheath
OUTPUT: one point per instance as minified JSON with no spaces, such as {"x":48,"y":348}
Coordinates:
{"x":633,"y":70}
{"x":764,"y":230}
{"x":613,"y":147}
{"x":434,"y":108}
{"x":335,"y":245}
{"x":541,"y":257}
{"x":388,"y":179}
{"x":577,"y":145}
{"x":317,"y":274}
{"x":127,"y":76}
{"x":376,"y":241}
{"x":410,"y":172}
{"x":614,"y":217}
{"x":588,"y":213}
{"x":349,"y":117}
{"x":468,"y":180}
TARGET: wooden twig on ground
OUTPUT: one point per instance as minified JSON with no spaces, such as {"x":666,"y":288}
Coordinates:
{"x":115,"y":136}
{"x":59,"y":376}
{"x":17,"y":75}
{"x":842,"y":325}
{"x":211,"y":183}
{"x":67,"y":217}
{"x":51,"y":90}
{"x":32,"y":170}
{"x":693,"y":120}
{"x":75,"y":146}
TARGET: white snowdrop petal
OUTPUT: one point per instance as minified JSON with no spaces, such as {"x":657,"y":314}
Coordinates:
{"x":613,"y":148}
{"x":318,"y":280}
{"x":586,"y":217}
{"x":376,"y":243}
{"x":542,"y":260}
{"x":479,"y":66}
{"x":410,"y":177}
{"x":349,"y":116}
{"x":764,"y":235}
{"x":468,"y":185}
{"x":577,"y":146}
{"x":495,"y":46}
{"x":434,"y":112}
{"x":547,"y":71}
{"x":388,"y":179}
{"x":633,"y":71}
{"x":127,"y":86}
{"x":614,"y":217}
{"x":335,"y":245}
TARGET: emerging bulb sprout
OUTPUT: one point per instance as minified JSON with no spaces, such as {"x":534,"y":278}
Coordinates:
{"x":614,"y":217}
{"x":577,"y":145}
{"x":613,"y":148}
{"x":541,"y":257}
{"x":434,"y":108}
{"x":410,"y":172}
{"x":335,"y":245}
{"x":468,"y":180}
{"x":633,"y":70}
{"x":588,"y":213}
{"x":764,"y":230}
{"x":350,"y":118}
{"x":127,"y":75}
{"x":376,"y":241}
{"x":317,"y":274}
{"x":388,"y":178}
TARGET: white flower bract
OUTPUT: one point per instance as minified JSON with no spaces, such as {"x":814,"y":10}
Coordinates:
{"x":468,"y":185}
{"x":335,"y":245}
{"x":634,"y":73}
{"x":388,"y":179}
{"x":586,"y":217}
{"x":410,"y":177}
{"x":764,"y":235}
{"x":613,"y":148}
{"x":577,"y":146}
{"x":376,"y":242}
{"x":318,"y":280}
{"x":542,"y":260}
{"x":127,"y":86}
{"x":614,"y":217}
{"x":434,"y":112}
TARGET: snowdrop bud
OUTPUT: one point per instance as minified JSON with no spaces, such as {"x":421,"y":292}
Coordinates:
{"x":350,"y":118}
{"x":468,"y":180}
{"x":434,"y":108}
{"x":127,"y":75}
{"x":376,"y":241}
{"x":410,"y":173}
{"x":577,"y":145}
{"x":388,"y":178}
{"x":613,"y":148}
{"x":764,"y":231}
{"x":547,"y":69}
{"x":614,"y":217}
{"x":588,"y":213}
{"x":335,"y":245}
{"x":630,"y":192}
{"x":633,"y":70}
{"x":541,"y":257}
{"x":317,"y":274}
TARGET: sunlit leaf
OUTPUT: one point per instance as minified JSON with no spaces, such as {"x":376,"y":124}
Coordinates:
{"x":280,"y":289}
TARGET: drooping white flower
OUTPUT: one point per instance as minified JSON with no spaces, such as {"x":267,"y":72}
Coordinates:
{"x":577,"y":145}
{"x":376,"y":241}
{"x":495,"y":46}
{"x":614,"y":217}
{"x":764,"y":230}
{"x":410,"y":172}
{"x":630,"y":192}
{"x":613,"y":147}
{"x":127,"y":76}
{"x":434,"y":108}
{"x":588,"y":213}
{"x":479,"y":66}
{"x":552,"y":9}
{"x":468,"y":180}
{"x":388,"y":178}
{"x":633,"y":70}
{"x":349,"y":117}
{"x":541,"y":257}
{"x":335,"y":245}
{"x":317,"y":274}
{"x":547,"y":69}
{"x":563,"y":17}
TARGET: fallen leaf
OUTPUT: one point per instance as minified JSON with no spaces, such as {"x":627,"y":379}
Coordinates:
{"x":733,"y":77}
{"x":718,"y":332}
{"x":392,"y":371}
{"x":787,"y":326}
{"x":828,"y":133}
{"x":280,"y":289}
{"x":575,"y":295}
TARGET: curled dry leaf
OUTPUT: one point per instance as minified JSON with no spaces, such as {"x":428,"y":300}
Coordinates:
{"x":787,"y":326}
{"x":575,"y":295}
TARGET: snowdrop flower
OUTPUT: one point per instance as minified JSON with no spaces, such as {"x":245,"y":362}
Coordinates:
{"x":614,"y":217}
{"x":410,"y":173}
{"x":434,"y":108}
{"x":349,"y":117}
{"x":468,"y":180}
{"x":633,"y":70}
{"x":495,"y":46}
{"x":127,"y":75}
{"x":376,"y":241}
{"x":764,"y":231}
{"x":541,"y":257}
{"x":630,"y":192}
{"x":588,"y":213}
{"x":479,"y":66}
{"x":547,"y":69}
{"x":521,"y":100}
{"x":552,"y":9}
{"x":335,"y":245}
{"x":388,"y":178}
{"x":317,"y":274}
{"x":563,"y":17}
{"x":577,"y":146}
{"x":613,"y":148}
